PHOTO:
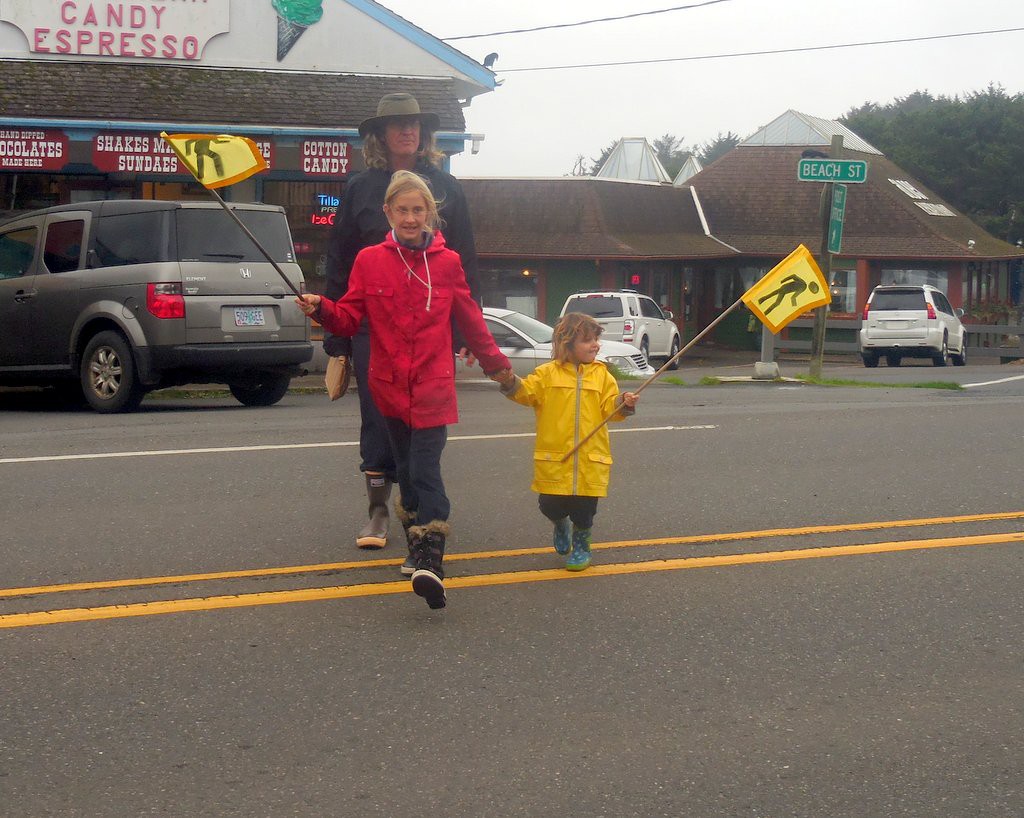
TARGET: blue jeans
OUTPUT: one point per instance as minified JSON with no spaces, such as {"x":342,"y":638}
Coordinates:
{"x":374,"y":446}
{"x":418,"y":464}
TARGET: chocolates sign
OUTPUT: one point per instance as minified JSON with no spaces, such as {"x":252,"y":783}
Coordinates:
{"x":33,"y":150}
{"x":146,"y":153}
{"x":157,"y":29}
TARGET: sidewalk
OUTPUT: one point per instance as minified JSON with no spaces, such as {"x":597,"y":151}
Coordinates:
{"x":700,"y":362}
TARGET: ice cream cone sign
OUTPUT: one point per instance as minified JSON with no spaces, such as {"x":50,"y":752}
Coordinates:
{"x":293,"y":18}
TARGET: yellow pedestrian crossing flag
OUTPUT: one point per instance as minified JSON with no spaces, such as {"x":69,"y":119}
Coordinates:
{"x":791,"y":288}
{"x":217,"y":160}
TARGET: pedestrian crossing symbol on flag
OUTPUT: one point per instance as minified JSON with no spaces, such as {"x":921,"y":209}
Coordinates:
{"x":217,"y":160}
{"x":791,"y":288}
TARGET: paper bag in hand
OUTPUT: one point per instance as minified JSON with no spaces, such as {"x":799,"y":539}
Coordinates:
{"x":339,"y":373}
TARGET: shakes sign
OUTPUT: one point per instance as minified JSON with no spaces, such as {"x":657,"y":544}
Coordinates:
{"x":159,"y":29}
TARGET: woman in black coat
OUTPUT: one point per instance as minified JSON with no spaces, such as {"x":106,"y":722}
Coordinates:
{"x":399,"y":137}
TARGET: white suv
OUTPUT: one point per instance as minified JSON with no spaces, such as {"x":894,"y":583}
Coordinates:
{"x":911,"y":321}
{"x":630,"y":317}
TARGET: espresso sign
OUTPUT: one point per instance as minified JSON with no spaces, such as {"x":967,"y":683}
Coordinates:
{"x":146,"y":153}
{"x":158,"y":29}
{"x":33,"y":150}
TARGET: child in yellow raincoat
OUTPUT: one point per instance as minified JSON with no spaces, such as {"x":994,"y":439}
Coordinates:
{"x":571,"y":395}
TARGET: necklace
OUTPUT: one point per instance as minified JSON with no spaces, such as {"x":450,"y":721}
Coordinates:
{"x":412,"y":274}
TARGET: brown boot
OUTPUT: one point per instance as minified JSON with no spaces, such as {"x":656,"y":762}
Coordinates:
{"x":375,"y":532}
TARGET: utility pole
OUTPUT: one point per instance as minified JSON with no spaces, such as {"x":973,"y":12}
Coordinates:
{"x":824,"y":213}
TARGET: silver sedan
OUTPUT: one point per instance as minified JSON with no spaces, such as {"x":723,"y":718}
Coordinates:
{"x":526,"y":342}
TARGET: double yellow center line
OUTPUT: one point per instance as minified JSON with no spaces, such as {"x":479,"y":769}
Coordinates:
{"x":66,"y":615}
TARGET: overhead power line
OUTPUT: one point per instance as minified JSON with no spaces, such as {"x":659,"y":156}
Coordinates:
{"x":583,"y":22}
{"x":762,"y":53}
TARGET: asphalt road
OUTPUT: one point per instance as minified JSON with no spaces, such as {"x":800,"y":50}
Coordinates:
{"x":806,"y":601}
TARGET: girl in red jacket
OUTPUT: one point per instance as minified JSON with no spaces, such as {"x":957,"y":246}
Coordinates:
{"x":410,"y":287}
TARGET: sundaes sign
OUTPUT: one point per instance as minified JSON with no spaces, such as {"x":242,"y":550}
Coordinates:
{"x":157,"y":29}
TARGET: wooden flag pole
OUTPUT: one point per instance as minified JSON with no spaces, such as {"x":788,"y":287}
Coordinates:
{"x":656,"y":375}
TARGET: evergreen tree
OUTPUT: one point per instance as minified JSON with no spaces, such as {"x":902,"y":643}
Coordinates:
{"x":967,"y":149}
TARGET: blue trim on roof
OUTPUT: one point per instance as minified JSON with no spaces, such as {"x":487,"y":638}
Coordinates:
{"x":433,"y":46}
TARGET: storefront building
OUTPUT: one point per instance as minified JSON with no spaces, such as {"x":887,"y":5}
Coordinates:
{"x":87,"y":87}
{"x":695,"y":248}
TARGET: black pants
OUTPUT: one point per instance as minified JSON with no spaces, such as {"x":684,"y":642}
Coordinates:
{"x":580,"y":510}
{"x":418,"y":464}
{"x":374,"y":445}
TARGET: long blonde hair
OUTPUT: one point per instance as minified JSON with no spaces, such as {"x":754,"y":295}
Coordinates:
{"x":375,"y":152}
{"x":405,"y":181}
{"x":572,"y":327}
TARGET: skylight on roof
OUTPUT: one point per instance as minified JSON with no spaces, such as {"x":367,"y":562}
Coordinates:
{"x":933,"y":209}
{"x":909,"y":189}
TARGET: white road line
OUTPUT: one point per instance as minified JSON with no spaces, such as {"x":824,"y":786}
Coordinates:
{"x":991,"y":383}
{"x":277,"y":447}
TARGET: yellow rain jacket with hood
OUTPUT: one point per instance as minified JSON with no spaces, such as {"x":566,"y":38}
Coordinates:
{"x":570,"y":401}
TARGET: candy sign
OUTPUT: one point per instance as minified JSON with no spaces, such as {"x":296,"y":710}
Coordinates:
{"x":324,"y":157}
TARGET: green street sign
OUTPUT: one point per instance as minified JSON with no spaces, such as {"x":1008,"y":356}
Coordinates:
{"x":852,"y":171}
{"x":836,"y":218}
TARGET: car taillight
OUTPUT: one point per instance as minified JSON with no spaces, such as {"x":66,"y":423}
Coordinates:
{"x":164,"y":299}
{"x":628,"y":329}
{"x":931,"y":311}
{"x":864,"y":317}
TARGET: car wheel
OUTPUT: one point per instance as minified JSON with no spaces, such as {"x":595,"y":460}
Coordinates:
{"x":107,"y":374}
{"x":672,"y":353}
{"x":870,"y":359}
{"x":265,"y":392}
{"x":941,"y":358}
{"x":893,"y":359}
{"x":645,"y":348}
{"x":960,"y":358}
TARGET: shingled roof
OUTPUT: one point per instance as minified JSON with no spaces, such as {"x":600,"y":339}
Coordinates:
{"x":587,"y":218}
{"x":753,"y":201}
{"x":56,"y":89}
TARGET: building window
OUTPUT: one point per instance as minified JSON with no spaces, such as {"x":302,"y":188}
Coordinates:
{"x":311,"y":208}
{"x":937,"y":277}
{"x":509,"y":287}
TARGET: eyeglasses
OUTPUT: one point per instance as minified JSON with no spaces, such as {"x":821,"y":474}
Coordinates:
{"x":405,"y":212}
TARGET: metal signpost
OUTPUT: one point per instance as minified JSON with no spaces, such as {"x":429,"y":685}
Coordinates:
{"x":836,"y":173}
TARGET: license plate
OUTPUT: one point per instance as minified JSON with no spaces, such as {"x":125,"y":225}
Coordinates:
{"x":249,"y":317}
{"x":897,"y":325}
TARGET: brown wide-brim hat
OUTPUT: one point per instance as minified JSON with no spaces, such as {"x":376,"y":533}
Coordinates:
{"x":395,"y":105}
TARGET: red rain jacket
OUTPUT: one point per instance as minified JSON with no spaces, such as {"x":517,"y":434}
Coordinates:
{"x":412,"y":367}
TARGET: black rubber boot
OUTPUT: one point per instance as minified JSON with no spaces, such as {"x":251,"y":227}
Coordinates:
{"x":428,"y":549}
{"x":406,"y":518}
{"x":375,"y":532}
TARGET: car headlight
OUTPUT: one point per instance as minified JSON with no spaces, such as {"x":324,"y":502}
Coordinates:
{"x":620,"y":363}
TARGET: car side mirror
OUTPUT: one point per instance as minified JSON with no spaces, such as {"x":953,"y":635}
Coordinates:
{"x":668,"y":314}
{"x":959,"y":312}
